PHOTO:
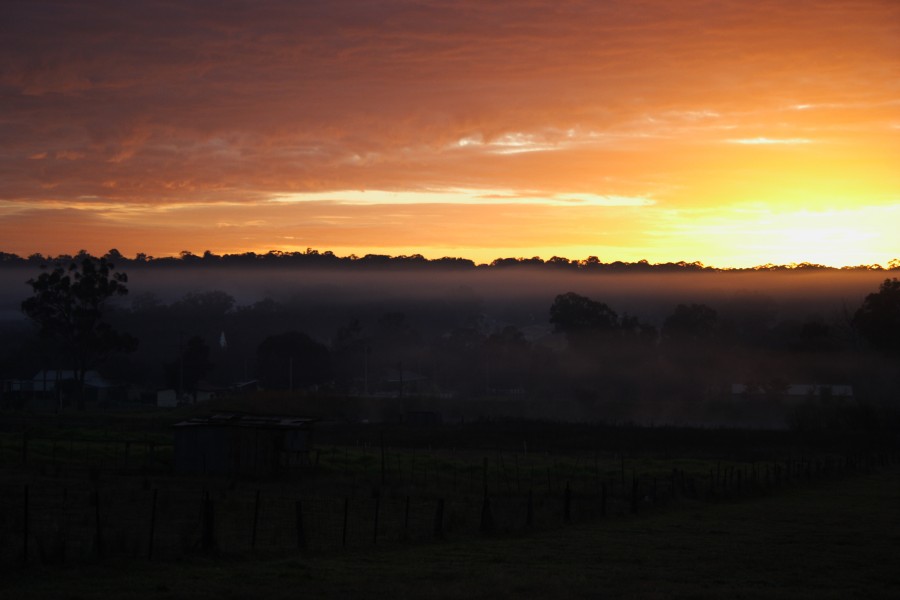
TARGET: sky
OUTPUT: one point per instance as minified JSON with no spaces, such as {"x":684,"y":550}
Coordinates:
{"x":729,"y":132}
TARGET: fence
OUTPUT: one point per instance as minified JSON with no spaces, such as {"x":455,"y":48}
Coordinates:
{"x":98,"y":514}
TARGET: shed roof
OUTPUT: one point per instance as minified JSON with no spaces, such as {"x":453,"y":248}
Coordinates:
{"x":250,"y":421}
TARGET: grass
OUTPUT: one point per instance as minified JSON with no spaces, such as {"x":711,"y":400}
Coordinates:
{"x":834,"y":539}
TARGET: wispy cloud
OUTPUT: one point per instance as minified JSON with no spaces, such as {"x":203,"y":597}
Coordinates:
{"x":765,"y":141}
{"x":459,"y":197}
{"x":533,"y":103}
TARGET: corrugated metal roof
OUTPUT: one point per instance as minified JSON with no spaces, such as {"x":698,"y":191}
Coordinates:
{"x":251,"y":421}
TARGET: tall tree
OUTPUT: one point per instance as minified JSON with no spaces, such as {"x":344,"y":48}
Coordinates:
{"x":68,"y":304}
{"x":291,"y":361}
{"x":191,"y":366}
{"x":878,"y":319}
{"x":585,"y":322}
{"x":572,"y":313}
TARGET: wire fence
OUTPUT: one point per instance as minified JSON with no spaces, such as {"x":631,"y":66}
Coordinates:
{"x":85,"y":514}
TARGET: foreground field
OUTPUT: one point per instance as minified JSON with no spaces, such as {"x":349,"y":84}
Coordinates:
{"x":835,"y":539}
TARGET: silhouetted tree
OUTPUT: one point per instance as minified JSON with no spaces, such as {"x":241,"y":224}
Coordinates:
{"x":68,"y":306}
{"x":572,"y":313}
{"x":508,"y":360}
{"x":689,"y":324}
{"x":190,"y":367}
{"x":292,"y":360}
{"x":587,"y":324}
{"x":351,"y":353}
{"x":878,"y":319}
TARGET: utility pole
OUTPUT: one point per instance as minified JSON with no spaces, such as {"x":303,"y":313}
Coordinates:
{"x":180,"y":366}
{"x":366,"y":350}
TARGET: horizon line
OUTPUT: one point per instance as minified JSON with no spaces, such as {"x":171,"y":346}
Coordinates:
{"x":186,"y":256}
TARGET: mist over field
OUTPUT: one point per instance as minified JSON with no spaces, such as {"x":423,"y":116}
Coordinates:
{"x":520,"y":297}
{"x":469,"y":338}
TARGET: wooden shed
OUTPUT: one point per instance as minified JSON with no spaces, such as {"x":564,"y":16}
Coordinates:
{"x":242,"y":444}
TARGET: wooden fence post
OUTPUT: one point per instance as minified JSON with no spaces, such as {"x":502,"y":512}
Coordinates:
{"x":377,"y":509}
{"x":487,"y":519}
{"x":406,"y":519}
{"x":603,"y":499}
{"x":208,"y":537}
{"x":383,"y":474}
{"x":98,"y":530}
{"x":25,"y":521}
{"x":346,"y":512}
{"x":439,"y":520}
{"x":24,"y":447}
{"x":152,"y":525}
{"x":255,"y":520}
{"x":529,"y":511}
{"x":298,"y":523}
{"x":634,"y":493}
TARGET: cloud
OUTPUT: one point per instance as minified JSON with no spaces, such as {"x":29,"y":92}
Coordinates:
{"x":765,"y":141}
{"x":458,"y":197}
{"x":174,"y":104}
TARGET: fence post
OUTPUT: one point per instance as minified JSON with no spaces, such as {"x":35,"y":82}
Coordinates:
{"x":406,"y":519}
{"x":382,"y":459}
{"x":344,"y":532}
{"x":518,"y":481}
{"x":603,"y":499}
{"x":487,"y":519}
{"x":529,"y":511}
{"x":301,"y":533}
{"x":152,"y":525}
{"x":24,"y":447}
{"x":25,"y":531}
{"x":439,"y":520}
{"x":255,"y":521}
{"x":208,"y":539}
{"x":634,"y":493}
{"x":377,"y":509}
{"x":97,"y":527}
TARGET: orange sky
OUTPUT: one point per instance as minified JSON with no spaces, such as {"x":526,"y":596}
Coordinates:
{"x":735,"y":133}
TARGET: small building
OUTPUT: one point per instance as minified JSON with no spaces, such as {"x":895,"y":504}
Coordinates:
{"x":795,"y":391}
{"x":240,"y":444}
{"x":166,"y":398}
{"x":50,"y":389}
{"x":423,"y":417}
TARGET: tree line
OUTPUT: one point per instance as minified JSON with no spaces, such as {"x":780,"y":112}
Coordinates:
{"x":590,"y":356}
{"x":312,"y":258}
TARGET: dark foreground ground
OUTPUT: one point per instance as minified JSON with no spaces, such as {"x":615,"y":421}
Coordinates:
{"x":835,"y":539}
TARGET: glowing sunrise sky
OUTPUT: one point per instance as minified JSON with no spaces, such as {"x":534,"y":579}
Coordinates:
{"x":731,"y":132}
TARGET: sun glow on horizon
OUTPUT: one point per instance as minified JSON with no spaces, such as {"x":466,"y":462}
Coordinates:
{"x":757,"y":235}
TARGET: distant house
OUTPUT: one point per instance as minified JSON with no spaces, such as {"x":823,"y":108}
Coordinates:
{"x":404,"y":382}
{"x":794,"y":391}
{"x":244,"y":387}
{"x":50,"y":388}
{"x":166,"y":398}
{"x":240,"y":444}
{"x":423,"y":417}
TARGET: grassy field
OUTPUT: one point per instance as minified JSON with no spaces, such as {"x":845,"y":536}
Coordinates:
{"x":831,"y":539}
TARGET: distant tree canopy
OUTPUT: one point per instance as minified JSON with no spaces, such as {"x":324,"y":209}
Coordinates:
{"x":312,"y":258}
{"x":292,"y":361}
{"x":878,"y":319}
{"x":191,"y":366}
{"x":68,"y":305}
{"x":573,"y":314}
{"x":689,"y":324}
